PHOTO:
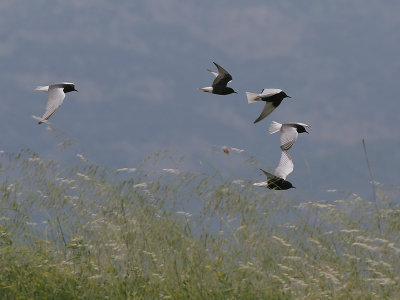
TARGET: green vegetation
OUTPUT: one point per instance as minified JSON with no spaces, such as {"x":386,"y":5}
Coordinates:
{"x":86,"y":232}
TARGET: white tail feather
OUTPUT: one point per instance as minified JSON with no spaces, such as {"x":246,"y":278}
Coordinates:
{"x":207,"y":89}
{"x":274,"y":127}
{"x":263,"y":183}
{"x":42,"y":88}
{"x":252,"y":97}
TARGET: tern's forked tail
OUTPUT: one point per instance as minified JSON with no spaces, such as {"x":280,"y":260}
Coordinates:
{"x":42,"y":88}
{"x":274,"y":127}
{"x":252,"y":97}
{"x":207,"y":89}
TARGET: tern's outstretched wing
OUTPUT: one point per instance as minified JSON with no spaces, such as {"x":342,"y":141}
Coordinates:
{"x":54,"y":101}
{"x":268,"y":108}
{"x":223,"y":77}
{"x":285,"y":166}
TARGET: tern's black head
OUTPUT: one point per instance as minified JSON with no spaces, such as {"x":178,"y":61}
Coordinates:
{"x":301,"y":129}
{"x":69,"y":88}
{"x":285,"y":185}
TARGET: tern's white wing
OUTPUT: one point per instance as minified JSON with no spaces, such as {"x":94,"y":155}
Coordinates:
{"x":269,"y":92}
{"x":289,"y":136}
{"x":213,"y":72}
{"x":54,"y":101}
{"x":285,"y":166}
{"x":268,"y":108}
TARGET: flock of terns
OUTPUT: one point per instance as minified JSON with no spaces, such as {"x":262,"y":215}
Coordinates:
{"x":271,"y":97}
{"x":289,"y":131}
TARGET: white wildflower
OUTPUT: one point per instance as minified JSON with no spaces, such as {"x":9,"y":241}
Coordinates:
{"x":149,"y":253}
{"x":368,"y":247}
{"x":140,"y":185}
{"x":331,"y":274}
{"x":298,"y":282}
{"x":159,"y":276}
{"x":238,"y":181}
{"x":351,"y":256}
{"x":238,"y":150}
{"x":349,"y":230}
{"x":248,"y":266}
{"x":65,"y":180}
{"x":282,"y":241}
{"x":330,"y":277}
{"x":339,"y":201}
{"x":128,"y":170}
{"x":225,"y":190}
{"x":304,"y":205}
{"x":294,"y":258}
{"x":321,"y":205}
{"x":382,"y":281}
{"x":186,"y":214}
{"x":172,"y":171}
{"x":81,"y":157}
{"x":241,"y":227}
{"x":278,"y":278}
{"x":311,"y":240}
{"x":393,"y":247}
{"x":290,"y":226}
{"x":383,"y":241}
{"x":377,"y":263}
{"x":83,"y":176}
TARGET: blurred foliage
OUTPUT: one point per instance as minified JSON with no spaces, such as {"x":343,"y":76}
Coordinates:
{"x":83,"y":231}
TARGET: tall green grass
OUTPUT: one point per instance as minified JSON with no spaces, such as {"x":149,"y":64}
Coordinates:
{"x":86,"y":232}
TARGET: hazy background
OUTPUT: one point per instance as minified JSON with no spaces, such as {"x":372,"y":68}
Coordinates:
{"x":137,"y":66}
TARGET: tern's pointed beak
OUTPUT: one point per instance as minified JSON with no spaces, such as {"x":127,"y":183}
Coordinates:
{"x":288,"y":97}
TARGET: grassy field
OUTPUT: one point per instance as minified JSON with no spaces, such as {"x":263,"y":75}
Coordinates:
{"x":87,"y":232}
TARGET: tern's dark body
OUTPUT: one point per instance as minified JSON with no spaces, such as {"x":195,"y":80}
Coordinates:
{"x":275,"y":99}
{"x":219,"y":84}
{"x":222,"y":90}
{"x":279,"y":184}
{"x":276,"y":182}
